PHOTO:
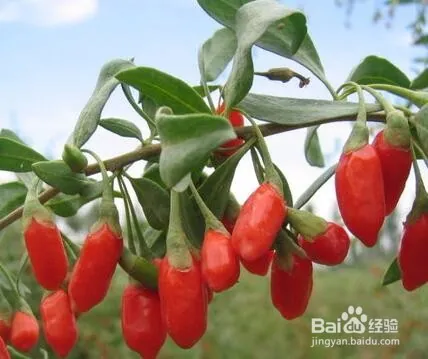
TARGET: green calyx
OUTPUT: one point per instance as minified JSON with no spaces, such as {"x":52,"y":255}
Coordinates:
{"x":33,"y":208}
{"x":285,"y":247}
{"x":108,"y":210}
{"x":358,"y":138}
{"x":177,"y":251}
{"x":306,"y":223}
{"x":139,"y":269}
{"x":397,"y":131}
{"x":74,"y":158}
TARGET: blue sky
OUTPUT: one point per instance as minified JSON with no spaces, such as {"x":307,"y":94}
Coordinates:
{"x":51,"y":52}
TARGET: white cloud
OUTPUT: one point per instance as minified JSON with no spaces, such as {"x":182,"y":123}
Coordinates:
{"x":47,"y":12}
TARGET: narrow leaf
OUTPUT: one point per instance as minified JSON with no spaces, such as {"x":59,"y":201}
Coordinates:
{"x":285,"y":187}
{"x":200,"y":89}
{"x":164,"y":90}
{"x":313,"y":152}
{"x":17,"y":157}
{"x":154,"y":201}
{"x":12,"y":196}
{"x":392,"y":274}
{"x":252,"y":21}
{"x":304,"y":112}
{"x":187,"y":141}
{"x":156,"y":241}
{"x":421,"y":81}
{"x":215,"y":189}
{"x":65,"y":205}
{"x":122,"y":128}
{"x":275,"y":39}
{"x":191,"y":219}
{"x":57,"y":174}
{"x":91,"y":113}
{"x":315,"y":186}
{"x":216,"y":53}
{"x":377,"y":70}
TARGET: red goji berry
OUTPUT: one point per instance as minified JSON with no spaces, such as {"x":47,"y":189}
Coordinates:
{"x":360,"y":193}
{"x":329,"y":248}
{"x":24,"y":333}
{"x":142,"y":325}
{"x":236,"y":119}
{"x":59,"y":323}
{"x":291,"y":291}
{"x":219,"y":262}
{"x":260,"y":266}
{"x":183,"y":302}
{"x":258,"y":223}
{"x":46,"y":253}
{"x":412,"y":255}
{"x":4,"y":353}
{"x":94,"y":269}
{"x":396,"y":163}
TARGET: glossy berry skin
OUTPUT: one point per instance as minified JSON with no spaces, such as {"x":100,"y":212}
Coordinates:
{"x":94,"y":269}
{"x":183,"y":299}
{"x":59,"y":323}
{"x":260,"y":266}
{"x":219,"y":262}
{"x":236,"y":119}
{"x":396,"y":163}
{"x":291,"y":291}
{"x":329,"y":248}
{"x":4,"y":353}
{"x":142,"y":325}
{"x":258,"y":223}
{"x":5,"y":330}
{"x":24,"y":334}
{"x":413,"y":253}
{"x":360,"y":193}
{"x":46,"y":253}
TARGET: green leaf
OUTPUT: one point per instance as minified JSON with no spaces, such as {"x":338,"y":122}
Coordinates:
{"x":57,"y":174}
{"x":65,"y":205}
{"x":200,"y":89}
{"x":17,"y":157}
{"x":26,"y":177}
{"x":294,"y":111}
{"x":191,"y":218}
{"x":187,"y":142}
{"x":216,"y":53}
{"x":421,"y":123}
{"x":156,"y":241}
{"x":276,"y":39}
{"x":152,"y":172}
{"x":421,"y":81}
{"x":377,"y":70}
{"x":252,"y":21}
{"x":313,"y":152}
{"x":392,"y":274}
{"x":421,"y":40}
{"x":12,"y":196}
{"x":285,"y":187}
{"x":164,"y":90}
{"x":91,"y":113}
{"x":154,"y":200}
{"x":122,"y":128}
{"x":215,"y":189}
